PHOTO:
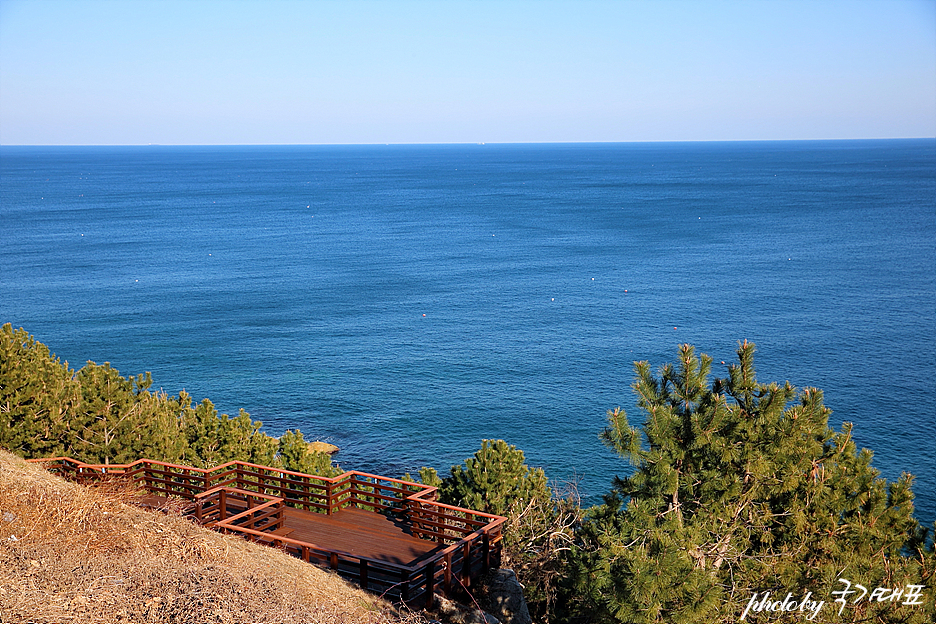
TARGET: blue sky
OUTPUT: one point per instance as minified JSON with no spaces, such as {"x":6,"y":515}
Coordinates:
{"x":292,"y":72}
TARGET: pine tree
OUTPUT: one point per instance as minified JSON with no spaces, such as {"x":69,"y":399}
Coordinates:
{"x":295,"y":454}
{"x":159,"y":435}
{"x":98,"y":416}
{"x":495,"y":479}
{"x":200,"y":426}
{"x":111,"y":420}
{"x":539,"y":524}
{"x":739,"y":488}
{"x":38,"y":397}
{"x":242,"y":439}
{"x":426,"y":476}
{"x":213,"y":439}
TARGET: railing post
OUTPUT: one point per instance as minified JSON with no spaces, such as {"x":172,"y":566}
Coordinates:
{"x":147,"y":479}
{"x":222,"y":505}
{"x":448,"y":572}
{"x":364,"y":574}
{"x":404,"y":585}
{"x":430,"y":584}
{"x":437,"y":516}
{"x":485,"y":552}
{"x":466,"y":564}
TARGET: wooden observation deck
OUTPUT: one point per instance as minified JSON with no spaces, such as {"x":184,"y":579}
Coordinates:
{"x":390,"y":536}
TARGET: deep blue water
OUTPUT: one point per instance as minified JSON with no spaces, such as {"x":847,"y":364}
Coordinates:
{"x":406,"y":302}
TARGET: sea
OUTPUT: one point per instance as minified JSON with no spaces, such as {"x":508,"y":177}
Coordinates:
{"x":406,"y":302}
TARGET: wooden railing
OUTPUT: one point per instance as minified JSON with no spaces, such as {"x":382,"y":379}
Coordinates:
{"x":302,"y":491}
{"x":232,"y":509}
{"x":249,"y":500}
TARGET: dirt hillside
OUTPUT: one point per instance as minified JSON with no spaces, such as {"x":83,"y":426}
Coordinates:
{"x":70,"y":553}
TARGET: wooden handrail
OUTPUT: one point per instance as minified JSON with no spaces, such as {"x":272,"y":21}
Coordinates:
{"x":423,"y":489}
{"x":416,"y":497}
{"x":474,"y":536}
{"x":461,"y":509}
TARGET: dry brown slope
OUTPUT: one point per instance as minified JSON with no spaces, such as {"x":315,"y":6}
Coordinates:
{"x":70,"y":553}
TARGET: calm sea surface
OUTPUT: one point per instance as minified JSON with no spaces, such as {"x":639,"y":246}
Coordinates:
{"x":406,"y":302}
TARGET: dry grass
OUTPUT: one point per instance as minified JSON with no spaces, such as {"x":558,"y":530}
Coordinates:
{"x":70,"y":553}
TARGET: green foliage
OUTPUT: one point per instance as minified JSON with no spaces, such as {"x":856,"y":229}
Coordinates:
{"x":98,"y":416}
{"x":242,"y":439}
{"x":740,"y":487}
{"x":426,"y":476}
{"x":539,"y":524}
{"x":160,"y":432}
{"x":38,"y":395}
{"x":108,"y":415}
{"x":495,"y":480}
{"x":295,"y":454}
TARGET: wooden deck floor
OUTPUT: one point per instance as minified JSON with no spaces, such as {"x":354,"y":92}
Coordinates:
{"x":358,"y":532}
{"x":361,"y":533}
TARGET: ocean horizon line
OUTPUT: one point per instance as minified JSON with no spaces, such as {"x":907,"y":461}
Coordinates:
{"x":482,"y":143}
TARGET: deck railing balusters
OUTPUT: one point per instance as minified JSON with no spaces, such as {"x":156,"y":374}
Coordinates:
{"x":211,"y":491}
